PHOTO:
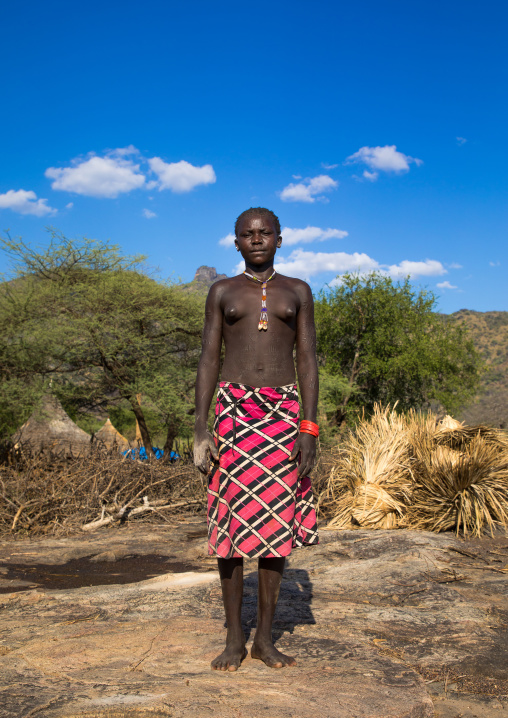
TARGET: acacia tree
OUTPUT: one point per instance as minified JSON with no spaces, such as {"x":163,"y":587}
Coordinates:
{"x":102,"y":327}
{"x":387,"y":343}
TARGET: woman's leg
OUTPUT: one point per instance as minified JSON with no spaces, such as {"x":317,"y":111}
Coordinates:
{"x":231,"y":578}
{"x":269,"y":579}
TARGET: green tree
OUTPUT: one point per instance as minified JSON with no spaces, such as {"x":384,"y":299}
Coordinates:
{"x":102,"y":328}
{"x":387,"y":343}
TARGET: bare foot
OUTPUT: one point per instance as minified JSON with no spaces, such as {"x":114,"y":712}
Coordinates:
{"x":230,"y":658}
{"x":271,"y":656}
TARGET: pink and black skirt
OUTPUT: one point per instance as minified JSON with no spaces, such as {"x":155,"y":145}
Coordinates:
{"x":257,"y":505}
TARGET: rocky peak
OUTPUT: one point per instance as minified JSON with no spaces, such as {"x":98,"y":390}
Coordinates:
{"x":208,"y":275}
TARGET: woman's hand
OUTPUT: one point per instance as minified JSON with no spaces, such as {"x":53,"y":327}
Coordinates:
{"x":204,"y":446}
{"x":305,"y":445}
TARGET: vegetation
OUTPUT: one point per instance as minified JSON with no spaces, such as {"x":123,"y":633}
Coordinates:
{"x":109,"y":336}
{"x":382,"y":342}
{"x":98,"y":327}
{"x":45,"y":494}
{"x":412,"y":471}
{"x":105,"y":335}
{"x":489,"y":332}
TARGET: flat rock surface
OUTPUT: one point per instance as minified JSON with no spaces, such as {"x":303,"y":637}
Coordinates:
{"x":126,"y":621}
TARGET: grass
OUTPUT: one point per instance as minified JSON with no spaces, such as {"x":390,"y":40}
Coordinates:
{"x":411,"y":471}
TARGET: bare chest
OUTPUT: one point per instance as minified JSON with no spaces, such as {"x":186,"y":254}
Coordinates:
{"x":244,"y":305}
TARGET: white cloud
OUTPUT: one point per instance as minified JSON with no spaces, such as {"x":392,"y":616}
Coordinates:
{"x":371,"y":176}
{"x":148,"y":214}
{"x":384,"y":159}
{"x":461,"y":141}
{"x":106,"y":176}
{"x":303,"y":264}
{"x":428,"y":268}
{"x":310,"y":234}
{"x":446,"y":285}
{"x":228,"y":240}
{"x":69,"y":205}
{"x":454,"y":265}
{"x":495,"y":264}
{"x":25,"y":202}
{"x":180,"y":176}
{"x":328,"y":167}
{"x":124,"y":151}
{"x":309,"y":190}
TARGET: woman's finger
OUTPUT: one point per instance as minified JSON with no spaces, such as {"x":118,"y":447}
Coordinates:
{"x":213,"y":449}
{"x":306,"y":465}
{"x":296,"y":450}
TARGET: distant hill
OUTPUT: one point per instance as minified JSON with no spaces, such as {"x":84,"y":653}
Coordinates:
{"x":489,"y":331}
{"x":204,"y":278}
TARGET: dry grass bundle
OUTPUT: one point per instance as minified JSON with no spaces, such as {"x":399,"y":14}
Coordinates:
{"x":110,"y":438}
{"x":460,"y":437}
{"x":460,"y":490}
{"x":45,"y":494}
{"x":415,"y":472}
{"x":372,"y":477}
{"x":448,"y":423}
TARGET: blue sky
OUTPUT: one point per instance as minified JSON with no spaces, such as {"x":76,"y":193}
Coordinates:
{"x":375,"y":131}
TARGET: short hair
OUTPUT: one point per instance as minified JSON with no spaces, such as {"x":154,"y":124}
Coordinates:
{"x":258,"y":212}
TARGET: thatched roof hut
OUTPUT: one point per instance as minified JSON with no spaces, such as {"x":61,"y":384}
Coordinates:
{"x":51,"y":429}
{"x":109,"y":437}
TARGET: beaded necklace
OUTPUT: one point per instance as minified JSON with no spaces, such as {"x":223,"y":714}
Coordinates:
{"x":263,"y":319}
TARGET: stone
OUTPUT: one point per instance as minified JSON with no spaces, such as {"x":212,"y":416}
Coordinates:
{"x":383,"y":624}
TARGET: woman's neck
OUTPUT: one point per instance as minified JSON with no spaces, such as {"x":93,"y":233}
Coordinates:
{"x":262,"y":272}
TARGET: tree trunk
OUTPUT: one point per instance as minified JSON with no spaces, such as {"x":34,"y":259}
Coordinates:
{"x":143,"y":428}
{"x":341,"y":413}
{"x":170,"y":439}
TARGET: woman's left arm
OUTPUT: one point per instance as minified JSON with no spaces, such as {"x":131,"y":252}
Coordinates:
{"x":307,"y":370}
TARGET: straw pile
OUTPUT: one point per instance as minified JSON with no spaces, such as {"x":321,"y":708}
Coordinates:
{"x":110,"y":438}
{"x":51,"y":430}
{"x":411,"y":471}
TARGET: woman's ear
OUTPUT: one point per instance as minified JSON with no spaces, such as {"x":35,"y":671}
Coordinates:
{"x":279,"y":241}
{"x":236,"y":245}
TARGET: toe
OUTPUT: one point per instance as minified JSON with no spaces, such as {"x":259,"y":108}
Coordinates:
{"x":275,"y":664}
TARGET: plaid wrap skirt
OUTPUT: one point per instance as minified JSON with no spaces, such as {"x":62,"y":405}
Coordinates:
{"x":257,"y":505}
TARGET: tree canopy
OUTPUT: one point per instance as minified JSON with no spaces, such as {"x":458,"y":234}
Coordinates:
{"x":382,"y":341}
{"x":101,"y":328}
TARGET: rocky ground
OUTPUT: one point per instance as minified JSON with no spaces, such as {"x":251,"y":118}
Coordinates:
{"x":124,"y":623}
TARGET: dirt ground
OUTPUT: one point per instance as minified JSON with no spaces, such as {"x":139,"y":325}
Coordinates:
{"x":126,"y":621}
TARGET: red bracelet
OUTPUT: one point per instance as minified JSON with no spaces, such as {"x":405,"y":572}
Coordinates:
{"x":309,"y":427}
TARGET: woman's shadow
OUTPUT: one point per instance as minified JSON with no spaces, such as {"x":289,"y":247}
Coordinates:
{"x":293,"y":607}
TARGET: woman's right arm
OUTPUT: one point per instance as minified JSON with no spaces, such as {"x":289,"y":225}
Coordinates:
{"x":206,"y":381}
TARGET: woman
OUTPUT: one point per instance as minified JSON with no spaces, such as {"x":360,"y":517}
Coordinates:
{"x":259,"y":494}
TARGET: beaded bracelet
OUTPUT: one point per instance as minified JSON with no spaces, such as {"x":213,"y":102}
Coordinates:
{"x":309,"y":427}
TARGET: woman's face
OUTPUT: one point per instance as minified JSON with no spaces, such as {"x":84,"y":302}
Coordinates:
{"x":257,"y":239}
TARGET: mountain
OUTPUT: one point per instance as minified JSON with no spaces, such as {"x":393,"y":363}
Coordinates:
{"x":204,"y":278}
{"x":489,"y":331}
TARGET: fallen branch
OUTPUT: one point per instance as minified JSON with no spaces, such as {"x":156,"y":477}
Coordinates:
{"x":43,"y":493}
{"x":122,"y":514}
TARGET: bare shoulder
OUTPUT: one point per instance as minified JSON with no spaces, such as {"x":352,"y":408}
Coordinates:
{"x":218,"y":289}
{"x":301,"y":288}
